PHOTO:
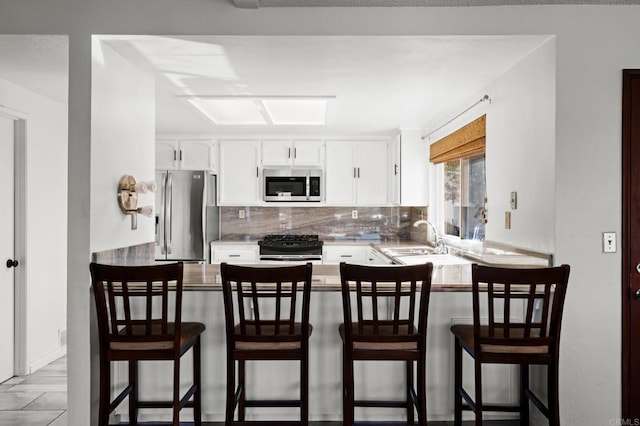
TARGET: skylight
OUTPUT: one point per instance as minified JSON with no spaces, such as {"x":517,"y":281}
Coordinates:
{"x":263,"y":110}
{"x":296,"y":111}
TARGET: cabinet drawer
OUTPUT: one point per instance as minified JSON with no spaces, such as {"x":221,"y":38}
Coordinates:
{"x":240,"y":255}
{"x":349,"y":254}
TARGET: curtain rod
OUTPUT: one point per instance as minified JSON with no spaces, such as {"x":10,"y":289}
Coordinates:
{"x":484,"y":98}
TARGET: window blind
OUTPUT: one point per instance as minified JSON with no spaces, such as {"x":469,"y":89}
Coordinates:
{"x":467,"y":141}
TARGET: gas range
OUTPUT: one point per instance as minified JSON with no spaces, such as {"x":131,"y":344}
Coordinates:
{"x":290,"y":248}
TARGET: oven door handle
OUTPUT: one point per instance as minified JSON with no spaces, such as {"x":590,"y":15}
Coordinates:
{"x":290,"y":259}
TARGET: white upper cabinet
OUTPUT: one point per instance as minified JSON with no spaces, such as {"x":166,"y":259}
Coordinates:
{"x":308,"y":153}
{"x":356,"y":173}
{"x":238,"y":179}
{"x":167,"y":152}
{"x":186,"y":154}
{"x":340,"y":173}
{"x":292,"y":153}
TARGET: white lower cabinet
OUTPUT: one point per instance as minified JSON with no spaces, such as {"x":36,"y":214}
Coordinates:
{"x":333,"y":255}
{"x":241,"y":253}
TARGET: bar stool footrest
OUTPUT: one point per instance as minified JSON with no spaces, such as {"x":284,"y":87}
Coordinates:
{"x":387,"y":404}
{"x":271,"y":403}
{"x":161,"y":404}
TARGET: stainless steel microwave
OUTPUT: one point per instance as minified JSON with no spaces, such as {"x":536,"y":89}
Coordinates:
{"x":297,"y":185}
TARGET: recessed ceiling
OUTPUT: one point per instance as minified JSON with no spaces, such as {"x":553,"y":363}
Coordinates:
{"x":380,"y":83}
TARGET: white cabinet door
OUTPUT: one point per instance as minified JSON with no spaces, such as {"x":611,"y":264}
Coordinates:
{"x":394,"y":170}
{"x":340,"y":173}
{"x":167,"y":154}
{"x":296,"y":153}
{"x":372,"y":178}
{"x":197,"y":155}
{"x":239,"y":172}
{"x":356,"y":173}
{"x":308,"y":153}
{"x":277,"y":153}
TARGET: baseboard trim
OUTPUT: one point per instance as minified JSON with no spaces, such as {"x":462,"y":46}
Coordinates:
{"x":47,"y":359}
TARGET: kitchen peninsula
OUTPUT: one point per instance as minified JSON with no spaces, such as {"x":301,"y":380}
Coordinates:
{"x":450,"y":304}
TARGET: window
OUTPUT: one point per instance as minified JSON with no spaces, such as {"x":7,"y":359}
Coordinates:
{"x":464,"y":193}
{"x":464,"y":197}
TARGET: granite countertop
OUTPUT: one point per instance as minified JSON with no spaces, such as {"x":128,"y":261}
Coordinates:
{"x":327,"y":277}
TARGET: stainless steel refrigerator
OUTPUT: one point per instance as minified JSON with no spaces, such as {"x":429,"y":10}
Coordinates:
{"x":186,"y":215}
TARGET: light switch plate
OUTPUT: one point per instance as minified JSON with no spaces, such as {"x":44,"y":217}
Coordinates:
{"x":609,"y":244}
{"x":514,"y":200}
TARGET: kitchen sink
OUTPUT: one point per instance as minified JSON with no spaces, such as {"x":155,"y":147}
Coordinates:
{"x":436,"y":259}
{"x":408,"y":251}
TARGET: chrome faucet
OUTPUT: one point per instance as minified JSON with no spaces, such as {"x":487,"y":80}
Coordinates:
{"x":439,"y":242}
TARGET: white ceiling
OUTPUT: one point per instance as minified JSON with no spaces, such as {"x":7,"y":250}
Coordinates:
{"x":36,"y":62}
{"x":381,"y":83}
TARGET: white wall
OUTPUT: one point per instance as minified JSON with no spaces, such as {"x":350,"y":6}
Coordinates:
{"x":593,"y":44}
{"x":520,"y":150}
{"x":123,"y":143}
{"x":45,"y":264}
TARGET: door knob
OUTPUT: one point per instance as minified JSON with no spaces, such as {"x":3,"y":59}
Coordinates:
{"x":12,"y":263}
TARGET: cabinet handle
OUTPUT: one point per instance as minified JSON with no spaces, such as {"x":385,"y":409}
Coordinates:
{"x":395,"y":169}
{"x":234,"y":255}
{"x":354,"y":173}
{"x":358,"y":172}
{"x":295,"y":152}
{"x":174,"y":155}
{"x":346,"y":255}
{"x":180,"y":155}
{"x":289,"y":155}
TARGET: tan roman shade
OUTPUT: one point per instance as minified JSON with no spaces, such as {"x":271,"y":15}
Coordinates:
{"x":464,"y":142}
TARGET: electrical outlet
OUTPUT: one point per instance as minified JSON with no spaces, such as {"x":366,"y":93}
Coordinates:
{"x":354,"y":214}
{"x":609,"y":242}
{"x":514,"y":200}
{"x":241,"y":214}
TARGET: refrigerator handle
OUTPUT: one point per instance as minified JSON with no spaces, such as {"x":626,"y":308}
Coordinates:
{"x":203,"y":214}
{"x":168,"y":213}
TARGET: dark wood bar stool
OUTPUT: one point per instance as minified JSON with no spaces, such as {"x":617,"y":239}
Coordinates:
{"x":534,"y":340}
{"x":398,"y":338}
{"x":139,"y":321}
{"x":264,"y":321}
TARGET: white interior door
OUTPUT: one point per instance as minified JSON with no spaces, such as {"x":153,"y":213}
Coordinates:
{"x":6,"y":248}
